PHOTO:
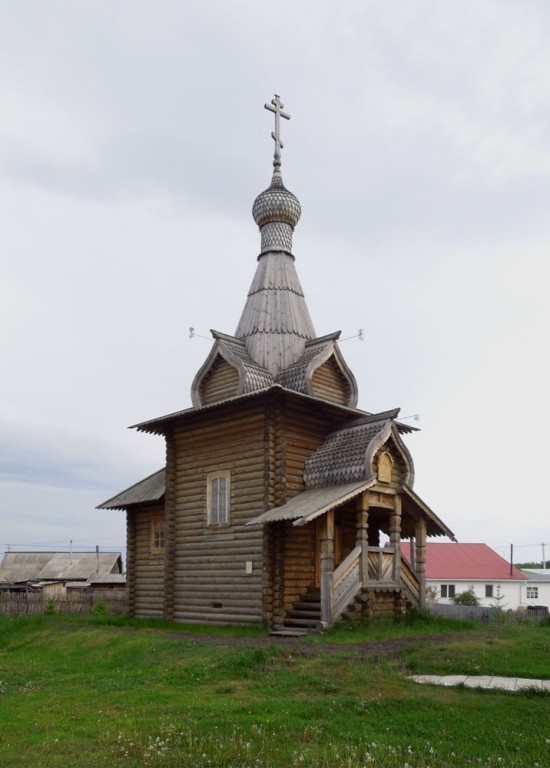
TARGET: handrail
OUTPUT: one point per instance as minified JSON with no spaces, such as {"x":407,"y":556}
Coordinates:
{"x":345,"y":564}
{"x":410,"y":580}
{"x":346,"y":582}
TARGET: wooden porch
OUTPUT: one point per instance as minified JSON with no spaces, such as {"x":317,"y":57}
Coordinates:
{"x":351,"y":573}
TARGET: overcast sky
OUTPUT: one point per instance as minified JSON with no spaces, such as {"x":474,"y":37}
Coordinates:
{"x":133,"y":141}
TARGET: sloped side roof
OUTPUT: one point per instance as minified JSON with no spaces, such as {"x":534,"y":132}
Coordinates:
{"x":540,"y":575}
{"x":22,"y":566}
{"x":341,"y":458}
{"x":150,"y":489}
{"x":41,"y":566}
{"x":308,"y":505}
{"x":464,"y":562}
{"x":435,"y":526}
{"x":108,"y":578}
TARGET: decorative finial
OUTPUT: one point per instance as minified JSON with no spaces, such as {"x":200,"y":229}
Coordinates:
{"x":277,"y":108}
{"x":276,"y":210}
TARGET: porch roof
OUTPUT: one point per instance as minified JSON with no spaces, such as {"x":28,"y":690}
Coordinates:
{"x":313,"y":503}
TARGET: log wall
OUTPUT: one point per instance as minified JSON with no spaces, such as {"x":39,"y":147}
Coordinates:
{"x":301,"y":433}
{"x":346,"y":519}
{"x":210,"y":582}
{"x":145,"y":574}
{"x":329,"y":383}
{"x":221,"y":382}
{"x":299,"y":554}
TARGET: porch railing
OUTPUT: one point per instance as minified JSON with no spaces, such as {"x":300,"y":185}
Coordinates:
{"x":346,"y":582}
{"x":340,"y":587}
{"x":381,"y":565}
{"x":410,"y":582}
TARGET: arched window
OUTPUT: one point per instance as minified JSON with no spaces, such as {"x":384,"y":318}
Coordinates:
{"x":385,"y":464}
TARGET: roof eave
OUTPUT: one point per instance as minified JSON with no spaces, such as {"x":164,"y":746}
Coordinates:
{"x":158,"y":425}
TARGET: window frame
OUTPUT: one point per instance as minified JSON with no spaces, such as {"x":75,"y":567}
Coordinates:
{"x":489,"y":591}
{"x":213,"y":496}
{"x":158,"y":534}
{"x":385,"y":467}
{"x":447,"y":591}
{"x":532,"y":593}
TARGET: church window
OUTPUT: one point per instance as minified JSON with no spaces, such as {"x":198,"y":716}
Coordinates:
{"x":218,"y":487}
{"x":158,"y":535}
{"x":385,"y":463}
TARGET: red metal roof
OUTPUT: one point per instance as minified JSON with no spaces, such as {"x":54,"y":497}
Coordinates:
{"x":465,"y":561}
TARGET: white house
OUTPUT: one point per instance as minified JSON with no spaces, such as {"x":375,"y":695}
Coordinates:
{"x":537,"y":586}
{"x":455,"y":568}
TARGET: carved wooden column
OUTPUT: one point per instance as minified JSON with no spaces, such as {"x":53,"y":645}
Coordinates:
{"x":362,"y":538}
{"x":327,"y":569}
{"x":395,"y":537}
{"x":421,"y":558}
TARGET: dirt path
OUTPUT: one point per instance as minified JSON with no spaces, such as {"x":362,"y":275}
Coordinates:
{"x":303,"y":646}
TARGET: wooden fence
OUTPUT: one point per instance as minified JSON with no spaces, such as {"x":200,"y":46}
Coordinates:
{"x":488,"y":614}
{"x":35,"y":603}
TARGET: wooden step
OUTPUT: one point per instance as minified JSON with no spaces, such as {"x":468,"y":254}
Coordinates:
{"x":309,"y":623}
{"x":305,"y":613}
{"x":288,"y":632}
{"x":303,"y":605}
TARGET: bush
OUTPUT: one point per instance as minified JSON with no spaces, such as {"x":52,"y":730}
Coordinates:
{"x":466,"y":598}
{"x":51,"y":607}
{"x":99,"y":608}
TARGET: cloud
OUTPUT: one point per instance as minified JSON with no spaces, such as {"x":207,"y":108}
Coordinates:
{"x":132,"y":144}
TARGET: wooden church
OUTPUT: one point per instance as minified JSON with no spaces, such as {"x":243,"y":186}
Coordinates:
{"x":276,"y":487}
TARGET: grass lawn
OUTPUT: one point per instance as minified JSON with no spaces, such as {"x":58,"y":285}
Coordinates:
{"x":77,"y":693}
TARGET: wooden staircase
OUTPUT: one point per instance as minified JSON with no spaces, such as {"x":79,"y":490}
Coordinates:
{"x":388,"y":592}
{"x":303,"y":617}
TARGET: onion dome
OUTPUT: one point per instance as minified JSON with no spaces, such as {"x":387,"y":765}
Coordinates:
{"x":276,"y":211}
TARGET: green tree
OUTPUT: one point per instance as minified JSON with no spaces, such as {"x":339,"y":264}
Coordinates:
{"x":466,"y":598}
{"x":498,"y":598}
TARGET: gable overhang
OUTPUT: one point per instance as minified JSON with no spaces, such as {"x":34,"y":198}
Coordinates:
{"x":219,"y":349}
{"x":418,"y":508}
{"x":329,"y":348}
{"x":308,"y":505}
{"x":391,"y":429}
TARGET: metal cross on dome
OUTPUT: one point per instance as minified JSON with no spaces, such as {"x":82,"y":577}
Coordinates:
{"x":277,"y":108}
